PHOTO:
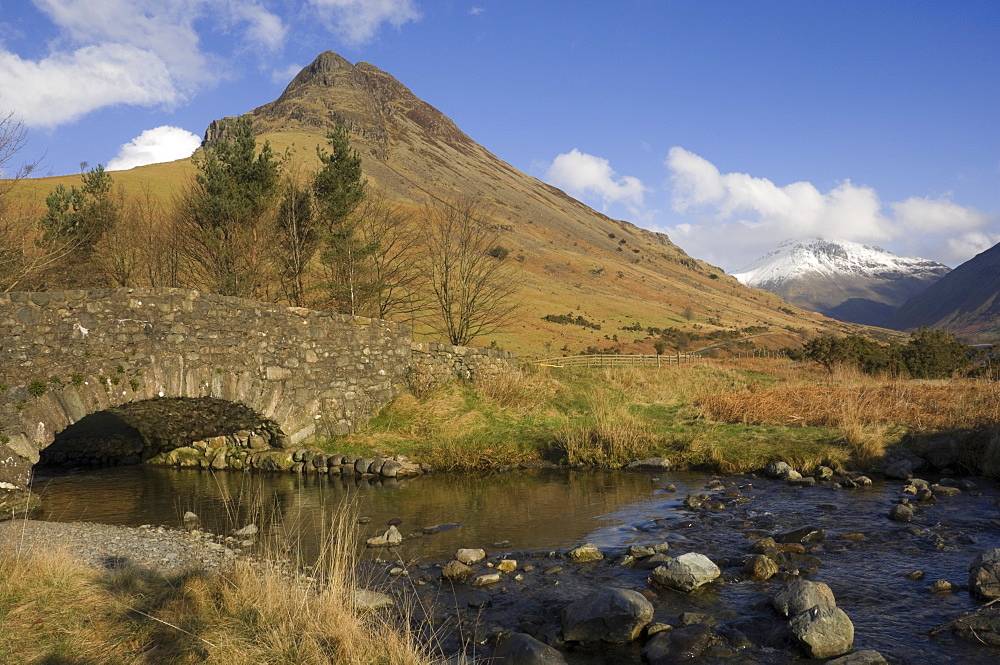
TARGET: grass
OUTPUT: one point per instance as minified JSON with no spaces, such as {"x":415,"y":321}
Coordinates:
{"x":54,"y":609}
{"x":727,"y":416}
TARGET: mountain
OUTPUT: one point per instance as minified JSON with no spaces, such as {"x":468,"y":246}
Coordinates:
{"x":841,"y":279}
{"x":575,"y":265}
{"x":966,"y":302}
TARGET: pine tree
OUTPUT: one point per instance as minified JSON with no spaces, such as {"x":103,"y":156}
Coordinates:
{"x":226,"y":211}
{"x":339,"y":188}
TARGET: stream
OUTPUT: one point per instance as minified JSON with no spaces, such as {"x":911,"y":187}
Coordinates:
{"x":535,"y":516}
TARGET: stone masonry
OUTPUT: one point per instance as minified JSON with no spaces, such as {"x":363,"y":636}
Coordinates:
{"x":155,"y":357}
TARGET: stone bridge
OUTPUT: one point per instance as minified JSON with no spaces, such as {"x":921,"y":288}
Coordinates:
{"x":178,"y":366}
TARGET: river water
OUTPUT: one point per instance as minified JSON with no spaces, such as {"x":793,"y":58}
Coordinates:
{"x":529,"y":514}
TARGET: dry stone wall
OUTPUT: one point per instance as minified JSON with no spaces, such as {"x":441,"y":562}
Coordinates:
{"x":179,"y":366}
{"x":64,"y":355}
{"x":433,"y":364}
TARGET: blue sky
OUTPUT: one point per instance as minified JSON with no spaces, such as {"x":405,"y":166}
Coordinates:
{"x":730,"y":125}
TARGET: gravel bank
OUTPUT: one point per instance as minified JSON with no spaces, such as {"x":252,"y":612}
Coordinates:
{"x":107,"y":546}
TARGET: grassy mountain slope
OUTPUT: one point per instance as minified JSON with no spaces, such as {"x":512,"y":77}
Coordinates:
{"x":966,"y":301}
{"x":571,"y":258}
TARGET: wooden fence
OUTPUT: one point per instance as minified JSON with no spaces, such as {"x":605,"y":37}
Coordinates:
{"x":619,"y":360}
{"x":622,"y":360}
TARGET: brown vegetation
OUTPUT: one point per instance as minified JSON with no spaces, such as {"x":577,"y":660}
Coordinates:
{"x":54,"y":609}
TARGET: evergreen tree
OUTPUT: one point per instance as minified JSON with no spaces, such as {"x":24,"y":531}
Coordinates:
{"x":75,"y":220}
{"x":226,"y":210}
{"x":339,"y":188}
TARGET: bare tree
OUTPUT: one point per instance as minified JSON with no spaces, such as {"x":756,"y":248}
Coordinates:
{"x":390,"y":231}
{"x":470,"y":282}
{"x":142,"y":249}
{"x":23,"y":254}
{"x":298,"y":237}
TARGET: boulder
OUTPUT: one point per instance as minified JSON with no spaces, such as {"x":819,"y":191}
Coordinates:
{"x":249,"y":531}
{"x":800,"y":595}
{"x":866,"y":657}
{"x":523,"y":649}
{"x":390,"y":538}
{"x":759,"y":568}
{"x":486,"y":579}
{"x":822,"y":631}
{"x":191,"y":521}
{"x":678,"y":645}
{"x":390,"y":469}
{"x":469,"y":556}
{"x":585,"y":552}
{"x":687,"y":572}
{"x":979,"y":628}
{"x":901,"y":513}
{"x":823,"y":473}
{"x":507,"y":565}
{"x":984,"y":575}
{"x":805,"y":534}
{"x":456,"y":571}
{"x":901,"y":469}
{"x":778,"y":470}
{"x":365,"y":599}
{"x":607,"y":615}
{"x":650,"y":463}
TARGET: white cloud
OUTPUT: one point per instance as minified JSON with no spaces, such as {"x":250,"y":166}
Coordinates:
{"x":66,"y":86}
{"x":161,"y":144}
{"x":963,"y":247}
{"x":477,"y":11}
{"x":581,"y":174}
{"x":263,"y":28}
{"x":136,"y":52}
{"x":930,"y":215}
{"x":357,"y":21}
{"x":741,"y":217}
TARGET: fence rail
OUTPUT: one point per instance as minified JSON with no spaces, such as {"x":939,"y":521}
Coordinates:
{"x":615,"y":360}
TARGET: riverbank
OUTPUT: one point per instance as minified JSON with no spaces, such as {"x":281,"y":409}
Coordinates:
{"x":94,"y":593}
{"x":728,"y":417}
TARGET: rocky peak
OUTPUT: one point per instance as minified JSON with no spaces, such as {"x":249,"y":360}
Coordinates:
{"x":373,"y":105}
{"x":327,"y":70}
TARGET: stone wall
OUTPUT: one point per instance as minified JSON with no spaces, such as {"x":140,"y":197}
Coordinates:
{"x":433,"y":364}
{"x":64,"y":355}
{"x":177,"y":366}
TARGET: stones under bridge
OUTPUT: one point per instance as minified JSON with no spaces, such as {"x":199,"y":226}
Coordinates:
{"x":123,"y":375}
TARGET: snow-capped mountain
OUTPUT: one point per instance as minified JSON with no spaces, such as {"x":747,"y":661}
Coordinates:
{"x":841,"y":279}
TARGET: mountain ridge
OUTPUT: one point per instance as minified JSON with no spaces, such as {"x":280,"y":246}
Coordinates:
{"x":841,"y":279}
{"x":966,"y":301}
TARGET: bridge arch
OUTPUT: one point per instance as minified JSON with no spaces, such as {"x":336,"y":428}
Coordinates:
{"x":295,"y":373}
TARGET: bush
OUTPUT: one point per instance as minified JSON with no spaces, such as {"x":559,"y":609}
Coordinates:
{"x":929,"y":354}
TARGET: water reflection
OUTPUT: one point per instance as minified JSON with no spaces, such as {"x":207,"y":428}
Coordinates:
{"x":532,"y":510}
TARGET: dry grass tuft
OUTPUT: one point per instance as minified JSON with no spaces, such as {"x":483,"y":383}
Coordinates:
{"x":519,"y":388}
{"x":609,"y":436}
{"x":55,"y":609}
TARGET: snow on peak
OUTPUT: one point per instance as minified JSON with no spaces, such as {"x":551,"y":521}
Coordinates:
{"x":794,"y":259}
